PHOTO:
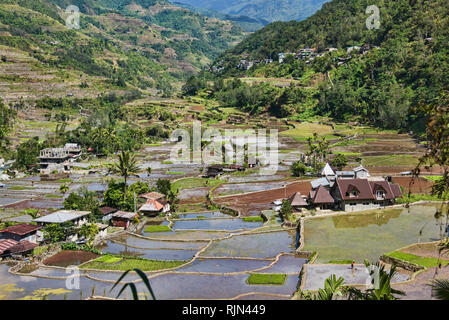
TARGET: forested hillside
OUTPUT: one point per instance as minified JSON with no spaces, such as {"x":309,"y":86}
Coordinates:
{"x":390,"y":71}
{"x":141,"y":43}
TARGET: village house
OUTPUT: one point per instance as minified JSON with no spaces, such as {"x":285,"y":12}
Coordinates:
{"x":21,"y":232}
{"x":107,"y":213}
{"x":123,"y":219}
{"x":297,"y":201}
{"x":13,"y":248}
{"x":351,"y":190}
{"x":153,"y":207}
{"x":362,"y":194}
{"x":152,"y":196}
{"x":78,"y":218}
{"x":321,"y":198}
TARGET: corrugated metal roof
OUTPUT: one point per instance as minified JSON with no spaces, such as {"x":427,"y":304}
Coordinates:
{"x":319,"y":182}
{"x":62,"y":216}
{"x":124,"y":215}
{"x":6,"y":244}
{"x":152,"y":205}
{"x":21,"y":229}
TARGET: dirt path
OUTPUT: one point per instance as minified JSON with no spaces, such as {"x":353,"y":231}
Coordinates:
{"x":262,"y":200}
{"x":419,"y":288}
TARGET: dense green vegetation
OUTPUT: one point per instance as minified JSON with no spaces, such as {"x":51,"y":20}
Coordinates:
{"x":405,"y":63}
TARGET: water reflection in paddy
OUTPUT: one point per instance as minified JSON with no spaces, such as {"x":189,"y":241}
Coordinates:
{"x":215,"y":214}
{"x":215,"y":224}
{"x":287,"y":264}
{"x":224,"y":265}
{"x":178,"y":286}
{"x":369,"y":235}
{"x":152,"y":254}
{"x":262,"y":245}
{"x":154,"y":244}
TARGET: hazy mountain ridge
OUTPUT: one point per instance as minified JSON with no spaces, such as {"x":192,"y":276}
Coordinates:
{"x":269,"y":10}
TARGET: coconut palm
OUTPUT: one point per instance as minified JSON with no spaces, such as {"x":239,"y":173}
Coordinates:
{"x":126,"y":167}
{"x":332,"y":288}
{"x":440,"y":289}
{"x":381,"y":281}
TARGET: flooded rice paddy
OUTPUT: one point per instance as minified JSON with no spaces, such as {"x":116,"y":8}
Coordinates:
{"x":369,"y":235}
{"x":218,"y":263}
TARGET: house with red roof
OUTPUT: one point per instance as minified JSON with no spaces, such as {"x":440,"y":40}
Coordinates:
{"x":363,"y":194}
{"x":154,"y":207}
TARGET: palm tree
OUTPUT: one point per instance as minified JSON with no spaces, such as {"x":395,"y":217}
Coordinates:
{"x":126,"y":167}
{"x":332,"y":288}
{"x":381,"y":280}
{"x":440,"y":289}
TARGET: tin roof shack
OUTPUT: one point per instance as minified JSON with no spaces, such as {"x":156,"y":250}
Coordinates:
{"x":107,"y":213}
{"x":5,"y":245}
{"x":152,"y":196}
{"x":78,"y":218}
{"x":123,"y":219}
{"x":21,"y":232}
{"x":152,"y":208}
{"x":23,"y":248}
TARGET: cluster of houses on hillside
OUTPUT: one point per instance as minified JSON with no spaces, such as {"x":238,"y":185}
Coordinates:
{"x":347,"y":191}
{"x":306,"y":54}
{"x":21,"y":239}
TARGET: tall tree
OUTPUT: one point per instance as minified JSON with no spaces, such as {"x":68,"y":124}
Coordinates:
{"x":126,"y":167}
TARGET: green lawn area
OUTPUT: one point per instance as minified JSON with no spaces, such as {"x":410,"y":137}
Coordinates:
{"x":252,"y":219}
{"x":156,"y":228}
{"x":266,"y":279}
{"x":124,"y":264}
{"x":304,"y":130}
{"x":175,"y":173}
{"x":108,"y":259}
{"x":421,"y":261}
{"x":390,"y":160}
{"x":21,"y":188}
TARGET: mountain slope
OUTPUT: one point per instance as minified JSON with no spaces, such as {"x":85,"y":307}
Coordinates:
{"x":122,"y":44}
{"x":270,"y":10}
{"x":405,"y":62}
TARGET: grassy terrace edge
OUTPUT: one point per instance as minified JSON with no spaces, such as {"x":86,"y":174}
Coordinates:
{"x":266,"y":279}
{"x":119,"y":263}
